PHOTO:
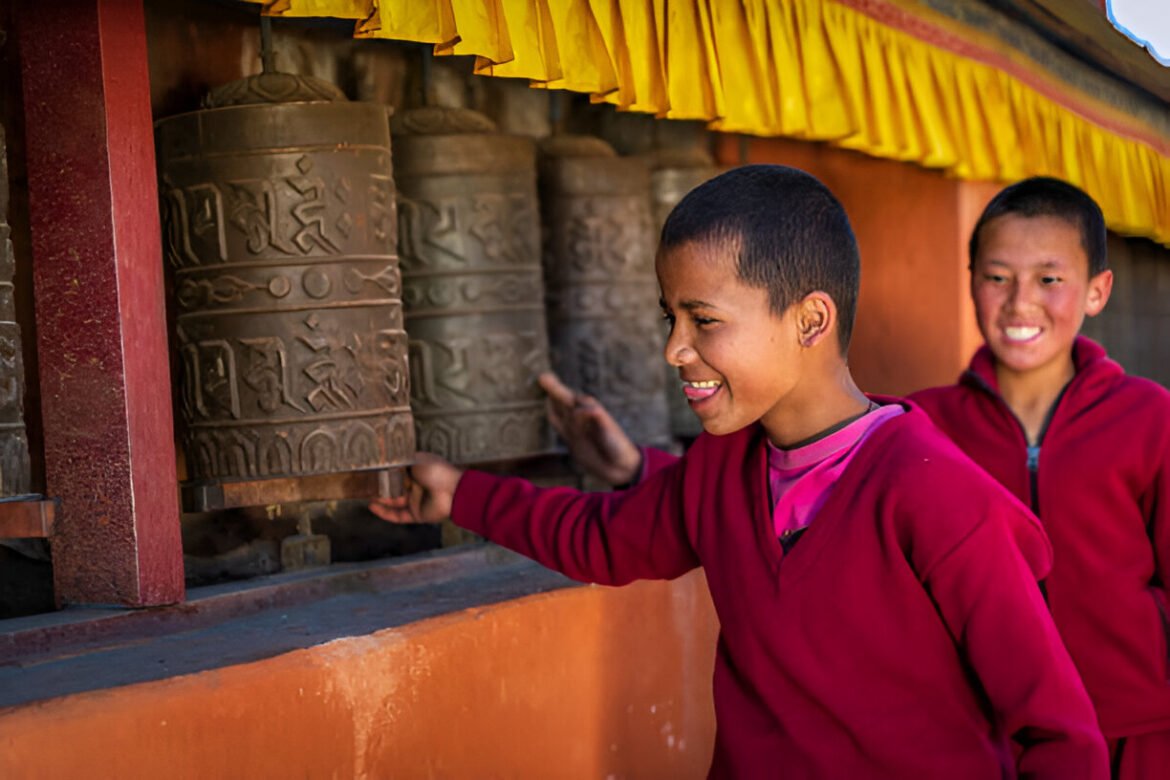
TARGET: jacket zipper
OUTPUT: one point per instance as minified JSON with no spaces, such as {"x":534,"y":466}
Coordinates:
{"x":1032,"y":451}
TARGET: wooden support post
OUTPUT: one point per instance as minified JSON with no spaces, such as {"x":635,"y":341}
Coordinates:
{"x":98,"y":282}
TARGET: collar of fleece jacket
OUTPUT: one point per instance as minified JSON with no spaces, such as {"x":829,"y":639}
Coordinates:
{"x":1095,"y":369}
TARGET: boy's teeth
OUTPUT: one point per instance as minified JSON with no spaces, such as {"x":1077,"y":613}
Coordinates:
{"x":697,"y":391}
{"x":1021,"y":334}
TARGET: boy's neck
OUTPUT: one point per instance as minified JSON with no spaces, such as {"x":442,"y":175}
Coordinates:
{"x":833,"y":402}
{"x":1031,"y":394}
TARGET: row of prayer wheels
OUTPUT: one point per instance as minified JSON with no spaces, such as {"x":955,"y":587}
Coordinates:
{"x":340,"y":300}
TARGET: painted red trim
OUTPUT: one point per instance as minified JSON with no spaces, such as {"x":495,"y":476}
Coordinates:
{"x":101,"y":328}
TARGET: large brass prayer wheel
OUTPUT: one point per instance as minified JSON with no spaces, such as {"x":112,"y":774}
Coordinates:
{"x":280,"y":234}
{"x":605,"y":329}
{"x":14,"y":462}
{"x":469,"y":238}
{"x":674,"y":174}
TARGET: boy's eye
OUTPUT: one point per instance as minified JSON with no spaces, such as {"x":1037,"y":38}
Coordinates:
{"x":701,"y":321}
{"x":995,"y":278}
{"x":668,"y":317}
{"x":1050,"y":279}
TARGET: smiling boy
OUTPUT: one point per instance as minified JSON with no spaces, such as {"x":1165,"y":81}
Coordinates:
{"x":1058,"y":423}
{"x":879,"y":615}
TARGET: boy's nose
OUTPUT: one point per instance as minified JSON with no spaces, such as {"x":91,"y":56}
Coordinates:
{"x":1021,"y":294}
{"x":678,"y":351}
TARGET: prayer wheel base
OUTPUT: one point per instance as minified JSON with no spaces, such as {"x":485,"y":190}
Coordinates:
{"x":364,"y":484}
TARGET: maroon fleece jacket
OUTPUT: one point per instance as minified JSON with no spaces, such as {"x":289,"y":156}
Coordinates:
{"x":1100,"y":482}
{"x":903,"y":636}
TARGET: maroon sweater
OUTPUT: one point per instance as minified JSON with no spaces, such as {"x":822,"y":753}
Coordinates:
{"x":903,"y":636}
{"x":1100,"y":482}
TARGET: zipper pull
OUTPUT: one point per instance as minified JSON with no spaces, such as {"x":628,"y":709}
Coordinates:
{"x":1034,"y":458}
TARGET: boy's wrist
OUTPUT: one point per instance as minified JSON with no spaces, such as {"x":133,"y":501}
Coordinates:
{"x":634,"y":469}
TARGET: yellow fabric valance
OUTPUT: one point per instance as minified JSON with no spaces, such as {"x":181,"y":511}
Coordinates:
{"x":811,"y":69}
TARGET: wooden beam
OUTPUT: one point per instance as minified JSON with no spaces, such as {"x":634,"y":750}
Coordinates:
{"x":26,"y":518}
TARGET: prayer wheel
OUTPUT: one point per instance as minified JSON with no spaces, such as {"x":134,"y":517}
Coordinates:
{"x":14,"y":462}
{"x":674,"y":174}
{"x":605,"y":328}
{"x":469,"y":238}
{"x":280,"y":235}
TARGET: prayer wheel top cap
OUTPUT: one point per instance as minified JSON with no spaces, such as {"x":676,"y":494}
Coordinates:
{"x":575,"y":146}
{"x":273,"y":87}
{"x":438,"y":120}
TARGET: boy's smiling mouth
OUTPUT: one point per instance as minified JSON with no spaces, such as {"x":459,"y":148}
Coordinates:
{"x":1021,"y":333}
{"x":701,"y":391}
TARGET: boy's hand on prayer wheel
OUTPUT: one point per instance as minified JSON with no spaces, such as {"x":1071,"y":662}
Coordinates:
{"x":429,"y":491}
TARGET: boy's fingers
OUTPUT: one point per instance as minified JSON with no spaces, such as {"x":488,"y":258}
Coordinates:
{"x":415,"y":495}
{"x":389,"y":513}
{"x":557,"y":390}
{"x":556,"y":417}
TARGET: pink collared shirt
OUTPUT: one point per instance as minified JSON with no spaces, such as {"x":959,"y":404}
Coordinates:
{"x":801,"y":479}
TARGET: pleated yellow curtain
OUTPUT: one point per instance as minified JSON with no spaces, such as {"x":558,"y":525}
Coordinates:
{"x":424,"y":21}
{"x":586,"y":64}
{"x":338,"y":9}
{"x":534,"y":54}
{"x":482,"y":31}
{"x":811,"y":69}
{"x":638,"y":46}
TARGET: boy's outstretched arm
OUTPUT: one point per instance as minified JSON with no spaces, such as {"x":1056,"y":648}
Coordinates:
{"x":609,"y":538}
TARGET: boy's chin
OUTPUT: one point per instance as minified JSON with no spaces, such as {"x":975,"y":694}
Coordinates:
{"x":1025,"y":361}
{"x":722,"y":428}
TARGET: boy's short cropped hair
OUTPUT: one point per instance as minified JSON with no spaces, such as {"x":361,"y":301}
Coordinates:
{"x":1042,"y":196}
{"x":790,"y":234}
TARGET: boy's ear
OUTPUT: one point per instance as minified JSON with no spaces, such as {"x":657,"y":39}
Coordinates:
{"x":1100,"y":286}
{"x":816,"y":317}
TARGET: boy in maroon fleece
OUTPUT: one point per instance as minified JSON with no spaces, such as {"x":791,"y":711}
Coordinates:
{"x":898,"y":632}
{"x":1047,"y":414}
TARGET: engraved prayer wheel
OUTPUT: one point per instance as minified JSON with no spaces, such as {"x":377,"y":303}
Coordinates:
{"x":674,"y":174}
{"x":280,"y":235}
{"x":14,"y":462}
{"x":469,"y":238}
{"x":605,"y":329}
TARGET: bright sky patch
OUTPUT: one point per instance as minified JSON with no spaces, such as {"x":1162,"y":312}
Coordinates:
{"x":1146,"y":22}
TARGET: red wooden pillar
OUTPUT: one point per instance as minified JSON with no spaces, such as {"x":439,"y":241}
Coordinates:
{"x":98,"y":285}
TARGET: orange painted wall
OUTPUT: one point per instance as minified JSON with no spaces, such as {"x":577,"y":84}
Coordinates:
{"x":915,"y":325}
{"x":584,"y":682}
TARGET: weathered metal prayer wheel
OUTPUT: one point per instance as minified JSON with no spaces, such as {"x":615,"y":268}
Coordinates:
{"x":605,"y":329}
{"x":469,"y":238}
{"x":280,"y":233}
{"x":14,"y":462}
{"x":675,"y":173}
